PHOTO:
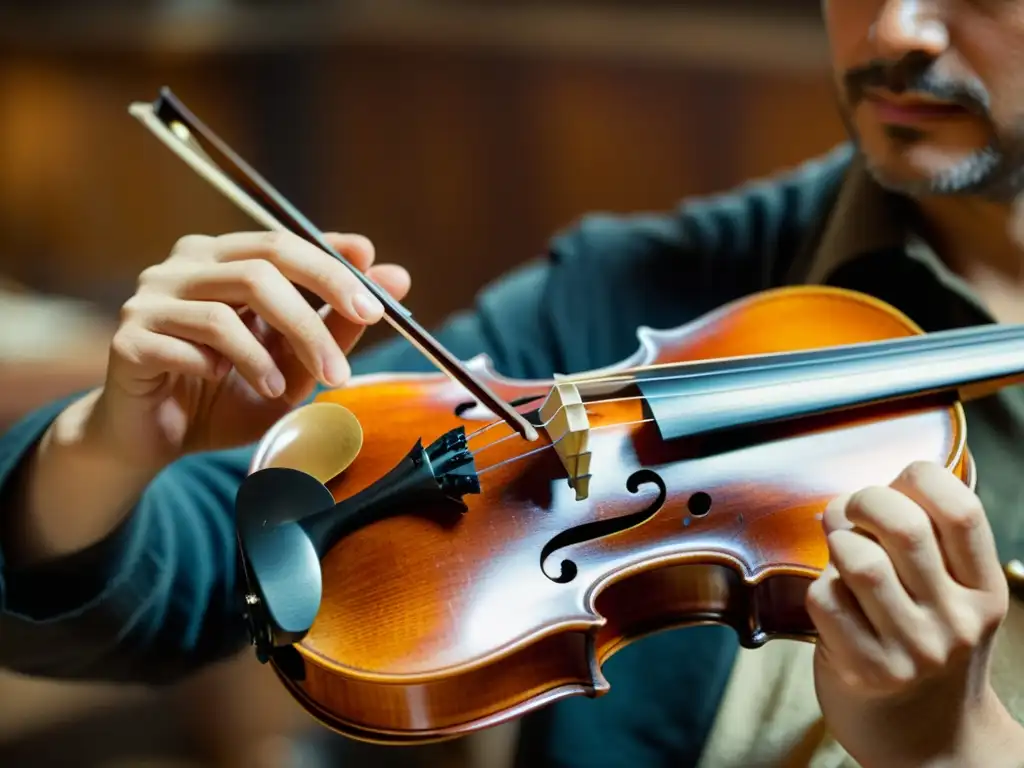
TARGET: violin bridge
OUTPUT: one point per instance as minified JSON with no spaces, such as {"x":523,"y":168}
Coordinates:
{"x":564,"y":416}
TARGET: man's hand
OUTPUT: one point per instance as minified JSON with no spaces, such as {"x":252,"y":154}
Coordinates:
{"x":906,"y":612}
{"x":214,"y":347}
{"x":217,"y":343}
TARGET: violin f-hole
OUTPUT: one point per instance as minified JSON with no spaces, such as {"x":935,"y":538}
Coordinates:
{"x":600,"y":529}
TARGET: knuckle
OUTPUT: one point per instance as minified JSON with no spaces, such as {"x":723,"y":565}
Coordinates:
{"x":967,"y":515}
{"x":862,"y":503}
{"x":190,"y":245}
{"x":132,"y":309}
{"x":353,"y":243}
{"x":868,"y":572}
{"x":218,"y":318}
{"x":930,"y":653}
{"x":819,"y":599}
{"x":856,"y":504}
{"x":125,"y":345}
{"x":973,"y":621}
{"x":996,"y":606}
{"x":257,"y":275}
{"x":815,"y":599}
{"x":149,"y":275}
{"x":918,"y":473}
{"x":967,"y":627}
{"x":961,"y":644}
{"x":277,"y":242}
{"x":899,"y":672}
{"x":363,"y":243}
{"x":911,"y":535}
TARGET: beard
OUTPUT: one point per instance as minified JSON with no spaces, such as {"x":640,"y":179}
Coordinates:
{"x":994,"y":172}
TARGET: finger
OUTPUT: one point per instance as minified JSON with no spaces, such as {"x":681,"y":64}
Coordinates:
{"x":867,"y":571}
{"x":155,"y":355}
{"x":219,"y":327}
{"x":908,"y":537}
{"x":965,"y":535}
{"x":393,"y":279}
{"x":357,"y":250}
{"x":258,"y":285}
{"x":310,"y":267}
{"x":834,"y":517}
{"x":843,"y":630}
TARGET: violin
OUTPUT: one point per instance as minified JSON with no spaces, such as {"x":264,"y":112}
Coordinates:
{"x":428,"y":555}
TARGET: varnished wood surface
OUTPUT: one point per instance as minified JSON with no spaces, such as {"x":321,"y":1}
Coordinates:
{"x":431,"y":626}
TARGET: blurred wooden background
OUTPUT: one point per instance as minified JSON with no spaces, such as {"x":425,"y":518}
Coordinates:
{"x":458,"y":135}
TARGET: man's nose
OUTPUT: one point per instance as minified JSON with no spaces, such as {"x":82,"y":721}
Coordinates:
{"x":906,"y":26}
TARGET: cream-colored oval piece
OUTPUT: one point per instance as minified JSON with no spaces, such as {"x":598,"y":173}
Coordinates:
{"x":320,"y":439}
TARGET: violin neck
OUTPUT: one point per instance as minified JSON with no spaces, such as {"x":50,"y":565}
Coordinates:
{"x":713,"y":395}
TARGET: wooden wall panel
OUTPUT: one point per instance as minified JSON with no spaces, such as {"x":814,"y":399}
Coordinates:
{"x":461,"y":164}
{"x":609,"y":138}
{"x":459,"y":161}
{"x":417,"y":142}
{"x":87,"y":195}
{"x":787,"y":119}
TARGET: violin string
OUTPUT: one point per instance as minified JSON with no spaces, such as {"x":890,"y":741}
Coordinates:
{"x":697,"y":369}
{"x":553,"y":443}
{"x":501,"y":440}
{"x":485,"y":428}
{"x":628,"y":398}
{"x":544,"y":424}
{"x":513,"y":459}
{"x":547,"y":446}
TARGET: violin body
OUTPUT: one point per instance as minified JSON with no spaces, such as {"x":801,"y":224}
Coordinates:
{"x":432,"y":626}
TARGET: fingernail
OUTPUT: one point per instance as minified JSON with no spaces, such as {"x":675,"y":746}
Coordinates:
{"x":275,"y":384}
{"x":367,"y":307}
{"x":336,"y":369}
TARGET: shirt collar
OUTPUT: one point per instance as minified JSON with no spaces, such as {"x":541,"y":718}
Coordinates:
{"x":865,"y":218}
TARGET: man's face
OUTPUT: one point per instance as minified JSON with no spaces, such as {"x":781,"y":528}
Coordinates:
{"x":932,"y":91}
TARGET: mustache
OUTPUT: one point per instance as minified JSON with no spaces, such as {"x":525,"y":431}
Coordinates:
{"x":915,"y":74}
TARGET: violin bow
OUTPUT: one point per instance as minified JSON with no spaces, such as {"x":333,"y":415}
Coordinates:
{"x":209,"y":156}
